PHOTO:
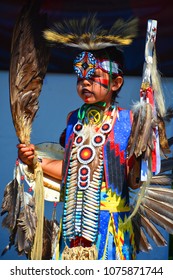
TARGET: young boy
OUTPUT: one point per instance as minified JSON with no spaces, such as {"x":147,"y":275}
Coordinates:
{"x":95,"y":171}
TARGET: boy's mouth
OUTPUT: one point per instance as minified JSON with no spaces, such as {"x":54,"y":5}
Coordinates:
{"x":87,"y":93}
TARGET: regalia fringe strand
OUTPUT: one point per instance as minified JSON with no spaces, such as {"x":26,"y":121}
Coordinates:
{"x":36,"y":253}
{"x":80,"y":253}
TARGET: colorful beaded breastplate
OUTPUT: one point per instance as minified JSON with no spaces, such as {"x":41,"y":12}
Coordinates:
{"x":85,"y":173}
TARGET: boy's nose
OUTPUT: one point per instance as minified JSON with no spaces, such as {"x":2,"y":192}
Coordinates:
{"x":86,"y":82}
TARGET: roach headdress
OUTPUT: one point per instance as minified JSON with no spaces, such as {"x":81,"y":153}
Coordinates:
{"x":87,"y":33}
{"x":97,"y":44}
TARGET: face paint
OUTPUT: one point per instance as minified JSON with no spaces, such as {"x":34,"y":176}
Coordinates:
{"x":85,"y":65}
{"x":101,"y":81}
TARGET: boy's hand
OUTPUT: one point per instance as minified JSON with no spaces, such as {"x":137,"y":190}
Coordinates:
{"x":26,"y":153}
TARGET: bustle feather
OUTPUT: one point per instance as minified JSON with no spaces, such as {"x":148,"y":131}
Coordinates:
{"x":155,"y":209}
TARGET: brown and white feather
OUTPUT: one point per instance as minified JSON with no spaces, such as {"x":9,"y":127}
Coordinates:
{"x":28,"y":65}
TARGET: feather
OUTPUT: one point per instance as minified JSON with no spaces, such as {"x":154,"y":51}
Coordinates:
{"x":26,"y":227}
{"x":28,"y":64}
{"x":141,"y":137}
{"x":156,"y":208}
{"x":164,"y":180}
{"x":145,"y":132}
{"x":157,"y":218}
{"x":10,"y":205}
{"x":51,"y":150}
{"x":160,"y":194}
{"x":50,"y":237}
{"x":157,"y":86}
{"x":11,"y":241}
{"x":166,"y":164}
{"x":164,"y":145}
{"x":141,"y":241}
{"x":46,"y":254}
{"x":138,"y":119}
{"x":165,"y":209}
{"x":152,"y":231}
{"x":87,"y":33}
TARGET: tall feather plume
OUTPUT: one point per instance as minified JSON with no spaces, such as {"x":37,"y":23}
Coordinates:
{"x":28,"y":65}
{"x":88,"y":34}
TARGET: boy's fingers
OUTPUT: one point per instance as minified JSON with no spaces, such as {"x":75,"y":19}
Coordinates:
{"x":31,"y":157}
{"x":30,"y":147}
{"x":20,"y":146}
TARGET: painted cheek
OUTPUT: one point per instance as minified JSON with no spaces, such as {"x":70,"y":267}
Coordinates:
{"x":101,"y":81}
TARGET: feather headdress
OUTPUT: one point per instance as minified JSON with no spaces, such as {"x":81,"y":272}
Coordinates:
{"x":88,"y":34}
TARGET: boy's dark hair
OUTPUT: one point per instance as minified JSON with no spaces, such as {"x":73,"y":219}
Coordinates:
{"x":112,"y":54}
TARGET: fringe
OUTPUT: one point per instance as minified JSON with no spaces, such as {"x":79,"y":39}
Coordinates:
{"x":80,"y":253}
{"x":36,"y":253}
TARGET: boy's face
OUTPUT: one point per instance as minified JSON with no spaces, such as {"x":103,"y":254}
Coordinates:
{"x":98,"y":88}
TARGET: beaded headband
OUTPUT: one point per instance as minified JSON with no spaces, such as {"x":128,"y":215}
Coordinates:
{"x":85,"y":65}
